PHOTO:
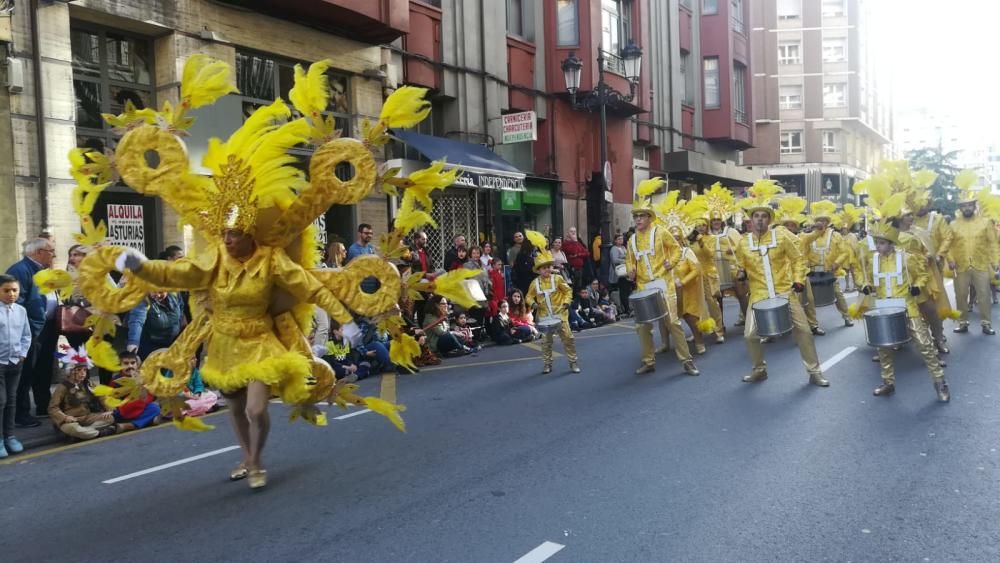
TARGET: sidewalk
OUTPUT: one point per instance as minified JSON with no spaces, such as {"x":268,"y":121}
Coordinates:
{"x":40,"y":436}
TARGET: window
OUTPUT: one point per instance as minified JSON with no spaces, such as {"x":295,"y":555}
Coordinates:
{"x":712,"y":94}
{"x":736,"y":16}
{"x":833,"y":8}
{"x":740,"y":92}
{"x":791,"y":142}
{"x":687,"y":79}
{"x":790,"y":53}
{"x":515,"y":18}
{"x":686,"y":4}
{"x":709,"y":7}
{"x":830,"y":141}
{"x":110,"y":69}
{"x":789,"y":9}
{"x":567,"y":23}
{"x":834,"y":95}
{"x":616,"y":27}
{"x":790,"y":96}
{"x":834,"y":49}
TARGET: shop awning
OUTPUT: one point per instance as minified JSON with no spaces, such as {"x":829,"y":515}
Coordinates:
{"x":482,"y":168}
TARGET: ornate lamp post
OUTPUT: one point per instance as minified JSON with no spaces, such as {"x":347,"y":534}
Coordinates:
{"x":598,"y":99}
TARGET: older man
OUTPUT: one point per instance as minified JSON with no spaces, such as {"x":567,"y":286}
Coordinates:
{"x":37,"y":372}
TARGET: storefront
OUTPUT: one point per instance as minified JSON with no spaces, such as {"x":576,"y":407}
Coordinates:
{"x":490,"y":192}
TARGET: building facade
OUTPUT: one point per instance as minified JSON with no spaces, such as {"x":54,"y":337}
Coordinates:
{"x":95,"y":55}
{"x":822,"y":113}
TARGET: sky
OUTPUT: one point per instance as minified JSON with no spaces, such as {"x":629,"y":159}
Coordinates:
{"x":943,"y":55}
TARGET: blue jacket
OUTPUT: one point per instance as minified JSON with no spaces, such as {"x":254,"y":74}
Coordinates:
{"x":30,"y":298}
{"x":139,"y":332}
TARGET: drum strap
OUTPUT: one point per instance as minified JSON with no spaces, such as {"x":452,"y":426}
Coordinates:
{"x":547,"y":294}
{"x":645,"y":254}
{"x":823,"y":250}
{"x":871,"y":242}
{"x":891,"y":278}
{"x":765,"y":259}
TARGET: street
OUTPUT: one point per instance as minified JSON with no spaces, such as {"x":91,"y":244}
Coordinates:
{"x":605,"y":466}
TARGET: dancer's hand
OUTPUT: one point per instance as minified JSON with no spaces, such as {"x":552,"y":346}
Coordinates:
{"x":130,"y":259}
{"x":798,"y":287}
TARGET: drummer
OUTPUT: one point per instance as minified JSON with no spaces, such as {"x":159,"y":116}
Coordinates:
{"x":650,"y":257}
{"x":826,"y":251}
{"x":790,"y":217}
{"x":773,"y":264}
{"x":715,"y":246}
{"x":551,"y":296}
{"x":898,"y":278}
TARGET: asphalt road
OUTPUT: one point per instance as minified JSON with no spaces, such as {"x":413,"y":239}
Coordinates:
{"x":604,"y":466}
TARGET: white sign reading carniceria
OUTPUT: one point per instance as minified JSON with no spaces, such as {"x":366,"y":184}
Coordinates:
{"x":519,"y":127}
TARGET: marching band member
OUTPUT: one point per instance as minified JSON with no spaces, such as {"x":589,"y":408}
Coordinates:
{"x":849,"y":217}
{"x":724,"y":241}
{"x":651,"y":256}
{"x":551,"y":295}
{"x":973,"y":256}
{"x":716,"y":250}
{"x":826,"y":251}
{"x":774,"y":266}
{"x":790,"y":217}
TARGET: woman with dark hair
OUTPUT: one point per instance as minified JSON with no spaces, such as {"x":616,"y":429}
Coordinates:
{"x":521,"y":318}
{"x":440,"y":339}
{"x":523,"y":266}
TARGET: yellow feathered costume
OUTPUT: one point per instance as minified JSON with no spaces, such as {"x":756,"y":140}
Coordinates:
{"x":254,"y":312}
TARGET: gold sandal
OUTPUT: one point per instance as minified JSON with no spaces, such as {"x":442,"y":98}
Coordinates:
{"x":238,"y":472}
{"x":257,"y":478}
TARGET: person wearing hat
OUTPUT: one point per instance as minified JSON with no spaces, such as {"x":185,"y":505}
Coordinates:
{"x":900,"y":278}
{"x":791,"y":218}
{"x":551,"y":295}
{"x":689,"y":273}
{"x":973,"y":255}
{"x":933,"y":302}
{"x":74,"y":409}
{"x":651,"y":255}
{"x":723,"y":240}
{"x":773,"y":265}
{"x":826,"y":252}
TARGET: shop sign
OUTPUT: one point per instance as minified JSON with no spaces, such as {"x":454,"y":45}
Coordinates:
{"x":510,"y":201}
{"x":519,"y":127}
{"x":490,"y":181}
{"x":125,"y":226}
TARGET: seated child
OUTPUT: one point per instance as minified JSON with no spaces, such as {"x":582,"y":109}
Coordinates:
{"x":343,"y":359}
{"x":463,"y":332}
{"x":141,"y":412}
{"x":74,"y":409}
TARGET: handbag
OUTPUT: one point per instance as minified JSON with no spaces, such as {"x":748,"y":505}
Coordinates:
{"x":70,"y":319}
{"x":621,"y":271}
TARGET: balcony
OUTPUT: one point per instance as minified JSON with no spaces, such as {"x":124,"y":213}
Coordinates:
{"x":369,"y":21}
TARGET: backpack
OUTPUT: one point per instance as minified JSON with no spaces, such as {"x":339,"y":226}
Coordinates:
{"x":162,"y":319}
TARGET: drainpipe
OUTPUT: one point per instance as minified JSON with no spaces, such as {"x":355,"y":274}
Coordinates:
{"x":43,"y":168}
{"x":670,"y":75}
{"x":486,"y":113}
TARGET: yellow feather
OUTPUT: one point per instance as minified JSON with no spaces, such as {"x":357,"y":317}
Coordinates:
{"x":765,"y":189}
{"x":103,"y":355}
{"x":649,"y":187}
{"x":192,"y":424}
{"x":406,"y":107}
{"x":388,"y":410}
{"x":91,"y":235}
{"x":949,"y":313}
{"x":823,"y":208}
{"x":54,"y":280}
{"x":893,"y":206}
{"x":205,"y":80}
{"x":924,"y":178}
{"x":706,"y":326}
{"x":860,"y":187}
{"x":404,"y":348}
{"x":103,"y":391}
{"x":113,"y":402}
{"x":425,"y":181}
{"x":537,"y":239}
{"x":450,"y":285}
{"x":966,"y":178}
{"x":792,"y":205}
{"x":410,"y":217}
{"x":311,"y":93}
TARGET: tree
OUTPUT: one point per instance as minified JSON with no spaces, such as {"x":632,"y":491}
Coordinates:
{"x":943,"y":189}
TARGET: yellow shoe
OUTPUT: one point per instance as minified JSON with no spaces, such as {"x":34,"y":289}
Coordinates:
{"x":645,"y":368}
{"x":238,"y":472}
{"x":699,"y":349}
{"x":257,"y":478}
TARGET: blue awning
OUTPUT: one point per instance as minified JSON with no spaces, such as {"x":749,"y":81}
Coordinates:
{"x":482,"y":168}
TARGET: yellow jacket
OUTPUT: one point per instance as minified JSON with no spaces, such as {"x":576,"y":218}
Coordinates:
{"x":864,"y":250}
{"x":827,"y":242}
{"x":777,"y":248}
{"x":561,"y":295}
{"x":692,"y":291}
{"x":915,"y":249}
{"x":938,"y":230}
{"x":974,"y":245}
{"x":904,"y":271}
{"x":704,"y":251}
{"x":664,"y":248}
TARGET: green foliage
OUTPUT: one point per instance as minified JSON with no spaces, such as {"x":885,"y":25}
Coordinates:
{"x":942,"y":162}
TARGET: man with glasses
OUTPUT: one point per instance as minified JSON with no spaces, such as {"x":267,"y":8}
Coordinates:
{"x":363,"y":245}
{"x":37,"y":372}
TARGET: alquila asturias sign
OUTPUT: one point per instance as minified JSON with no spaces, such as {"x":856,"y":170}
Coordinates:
{"x":125,"y":226}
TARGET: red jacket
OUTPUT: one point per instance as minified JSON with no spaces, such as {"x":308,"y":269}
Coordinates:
{"x":499,"y":292}
{"x":576,"y":253}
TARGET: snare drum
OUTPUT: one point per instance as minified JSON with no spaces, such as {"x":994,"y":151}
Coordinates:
{"x":773,"y":317}
{"x":549,"y":325}
{"x":885,"y":327}
{"x":648,"y":305}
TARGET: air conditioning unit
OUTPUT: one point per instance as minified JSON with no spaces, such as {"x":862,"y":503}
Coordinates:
{"x":15,"y":75}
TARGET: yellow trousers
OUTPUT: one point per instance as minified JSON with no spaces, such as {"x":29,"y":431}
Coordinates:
{"x":569,"y":343}
{"x":921,"y":336}
{"x":800,"y":332}
{"x":929,"y":312}
{"x":671,"y":325}
{"x":984,"y":297}
{"x":713,"y":305}
{"x":809,"y":305}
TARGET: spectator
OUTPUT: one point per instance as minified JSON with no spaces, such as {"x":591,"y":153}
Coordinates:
{"x":577,"y":256}
{"x":523,"y":268}
{"x":558,"y":256}
{"x":420,"y":260}
{"x":498,"y":285}
{"x":475,"y":263}
{"x":172,"y":253}
{"x":463,"y":331}
{"x":503,"y":330}
{"x":427,"y":357}
{"x":487,"y":255}
{"x":515,"y":248}
{"x":36,"y":374}
{"x":607,"y":304}
{"x":76,"y":255}
{"x":137,"y":413}
{"x":461,"y":257}
{"x":451,"y":256}
{"x":605,"y":309}
{"x":588,"y":310}
{"x":440,"y":339}
{"x":15,"y":341}
{"x":345,"y":364}
{"x":621,"y":283}
{"x":74,"y":409}
{"x":363,"y":245}
{"x":336,"y":255}
{"x":520,"y":314}
{"x":200,"y":401}
{"x":154,"y":323}
{"x":373,"y":348}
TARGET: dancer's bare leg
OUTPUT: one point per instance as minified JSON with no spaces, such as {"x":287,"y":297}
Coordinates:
{"x":238,"y":413}
{"x":257,"y":397}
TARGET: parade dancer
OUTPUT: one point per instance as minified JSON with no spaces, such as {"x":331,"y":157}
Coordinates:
{"x":825,"y":251}
{"x":551,"y":296}
{"x":790,"y":217}
{"x":974,"y":254}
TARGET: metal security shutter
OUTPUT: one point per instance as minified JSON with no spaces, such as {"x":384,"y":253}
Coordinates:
{"x":455,"y":213}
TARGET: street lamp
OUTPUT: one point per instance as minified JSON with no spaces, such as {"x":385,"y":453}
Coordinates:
{"x":598,"y":99}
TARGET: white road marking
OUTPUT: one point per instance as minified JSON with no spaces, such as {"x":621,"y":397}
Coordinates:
{"x":837,"y":357}
{"x":349,"y":415}
{"x":169,"y":465}
{"x":541,"y":553}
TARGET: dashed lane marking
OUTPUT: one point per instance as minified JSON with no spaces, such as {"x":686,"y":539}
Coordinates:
{"x":837,"y":357}
{"x":541,"y":553}
{"x":169,"y":465}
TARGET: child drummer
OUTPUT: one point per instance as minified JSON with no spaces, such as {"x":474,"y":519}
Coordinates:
{"x":895,"y":277}
{"x":551,"y":295}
